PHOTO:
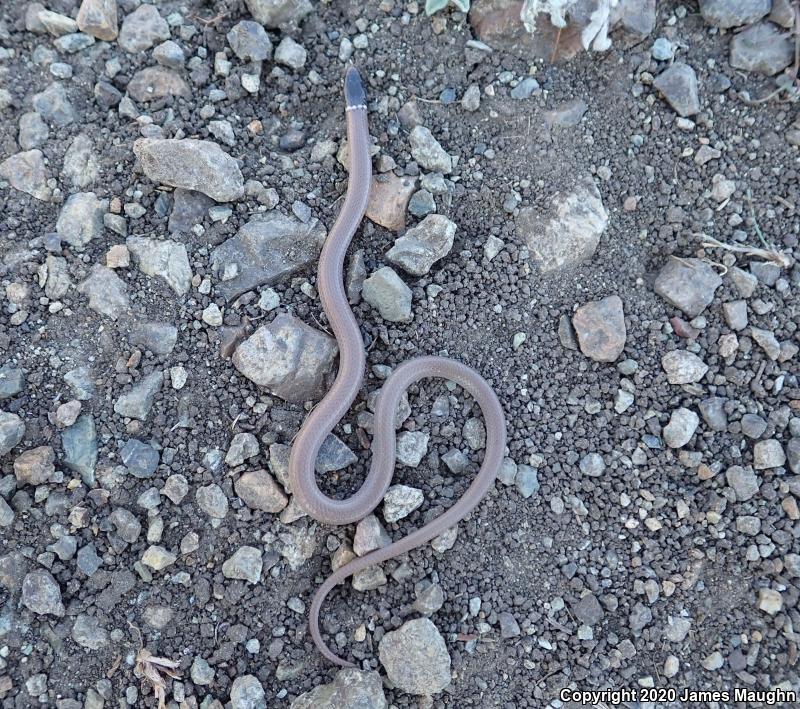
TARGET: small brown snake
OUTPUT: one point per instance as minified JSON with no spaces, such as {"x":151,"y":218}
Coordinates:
{"x":352,"y":360}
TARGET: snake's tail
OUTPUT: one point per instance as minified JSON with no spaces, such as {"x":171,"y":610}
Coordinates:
{"x":313,"y":618}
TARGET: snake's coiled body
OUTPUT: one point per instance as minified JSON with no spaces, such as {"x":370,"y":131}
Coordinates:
{"x":352,"y":359}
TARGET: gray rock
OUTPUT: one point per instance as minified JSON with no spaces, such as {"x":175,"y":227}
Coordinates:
{"x":766,"y":341}
{"x":176,"y":487}
{"x":288,"y":358}
{"x":223,"y":130}
{"x":525,"y":88}
{"x":733,"y":13}
{"x":27,"y":173}
{"x":474,"y":433}
{"x":400,"y":501}
{"x":569,"y":232}
{"x":662,"y":50}
{"x":743,"y":481}
{"x":139,"y":458}
{"x":763,"y":48}
{"x":275,"y":14}
{"x":415,"y":658}
{"x":246,"y":691}
{"x":678,"y":84}
{"x":766,"y":273}
{"x":600,"y":328}
{"x":370,"y":535}
{"x":126,"y":524}
{"x":471,"y":100}
{"x":245,"y":565}
{"x":157,"y":337}
{"x":81,"y":219}
{"x":88,"y":633}
{"x":430,"y":598}
{"x":412,"y":447}
{"x":713,"y":412}
{"x":768,"y":454}
{"x":107,"y":292}
{"x":735,"y":314}
{"x":71,"y":43}
{"x":793,"y":454}
{"x":98,"y":18}
{"x":6,"y":514}
{"x":249,"y":41}
{"x":457,"y":462}
{"x":58,"y":280}
{"x":170,"y":54}
{"x":189,"y":207}
{"x":566,"y":115}
{"x":191,"y":164}
{"x":264,"y":252}
{"x":88,"y":560}
{"x":137,"y":402}
{"x":41,"y":594}
{"x":386,"y":291}
{"x":12,"y":381}
{"x":79,"y":442}
{"x":588,"y":610}
{"x":421,"y":203}
{"x":334,"y":454}
{"x":33,"y":131}
{"x":165,"y":258}
{"x":211,"y":499}
{"x":683,"y":367}
{"x":593,"y":465}
{"x":509,"y":628}
{"x":259,"y":491}
{"x":425,"y":149}
{"x":290,"y":53}
{"x":369,"y":579}
{"x":681,"y":427}
{"x":242,"y":447}
{"x":753,"y":426}
{"x":688,"y":284}
{"x":35,"y":466}
{"x":677,"y":629}
{"x":201,"y":672}
{"x":351,"y":689}
{"x":54,"y":106}
{"x":142,"y":28}
{"x":56,"y":24}
{"x":81,"y":165}
{"x":527,"y":481}
{"x":792,"y":564}
{"x":421,"y":246}
{"x":640,"y":617}
{"x":158,"y":558}
{"x":153,"y":83}
{"x":79,"y":380}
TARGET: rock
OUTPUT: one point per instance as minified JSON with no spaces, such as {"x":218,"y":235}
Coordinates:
{"x":421,"y":246}
{"x":275,"y":14}
{"x":143,"y":28}
{"x":526,"y":481}
{"x":388,"y":200}
{"x":683,"y":367}
{"x":415,"y":658}
{"x":412,"y":447}
{"x":735,"y":314}
{"x":763,"y":48}
{"x":509,"y":628}
{"x":259,"y":491}
{"x":369,"y":579}
{"x":525,"y":89}
{"x":753,"y":426}
{"x":191,"y":164}
{"x":139,"y":458}
{"x":201,"y":672}
{"x":212,"y":500}
{"x":56,"y":24}
{"x":713,"y":412}
{"x":157,"y":337}
{"x":430,"y":599}
{"x":743,"y":481}
{"x":35,"y":466}
{"x":600,"y":328}
{"x":290,"y":53}
{"x":370,"y":535}
{"x":288,"y":358}
{"x":766,"y":341}
{"x":593,"y":465}
{"x":351,"y":689}
{"x":54,"y":106}
{"x":12,"y":382}
{"x":12,"y":429}
{"x":733,"y":13}
{"x":245,"y":565}
{"x":27,"y":173}
{"x":471,"y":100}
{"x":170,"y":54}
{"x":33,"y":131}
{"x":681,"y":427}
{"x":188,"y":209}
{"x":79,"y":442}
{"x":176,"y":488}
{"x":81,"y":166}
{"x":569,"y":233}
{"x":264,"y":252}
{"x":88,"y":560}
{"x":81,"y":219}
{"x":107,"y":96}
{"x":768,"y":454}
{"x":158,"y":558}
{"x":386,"y":291}
{"x":126,"y":524}
{"x":678,"y":85}
{"x":662,"y":50}
{"x":400,"y":501}
{"x":568,"y":115}
{"x":165,"y":258}
{"x":334,"y":454}
{"x":688,"y":284}
{"x":87,"y":632}
{"x":249,"y":41}
{"x":782,"y":13}
{"x":425,"y":149}
{"x":677,"y":629}
{"x":456,"y":461}
{"x":137,"y":402}
{"x":640,"y":617}
{"x":108,"y":293}
{"x":242,"y":447}
{"x":6,"y":516}
{"x":98,"y":18}
{"x":58,"y":280}
{"x":770,"y":601}
{"x":793,"y":454}
{"x":246,"y":691}
{"x":41,"y":594}
{"x":153,"y":83}
{"x":588,"y":610}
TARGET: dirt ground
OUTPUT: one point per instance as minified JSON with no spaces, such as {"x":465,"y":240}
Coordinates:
{"x":653,"y":537}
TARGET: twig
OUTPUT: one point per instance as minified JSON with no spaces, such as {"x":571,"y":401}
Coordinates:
{"x":779,"y":257}
{"x":760,"y":234}
{"x":555,"y":46}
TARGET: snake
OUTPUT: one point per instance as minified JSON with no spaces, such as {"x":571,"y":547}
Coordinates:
{"x":336,"y":402}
